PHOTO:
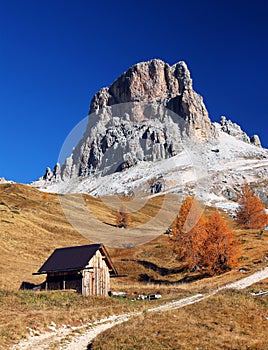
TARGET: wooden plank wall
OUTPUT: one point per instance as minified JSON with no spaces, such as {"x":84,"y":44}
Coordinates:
{"x":96,"y":277}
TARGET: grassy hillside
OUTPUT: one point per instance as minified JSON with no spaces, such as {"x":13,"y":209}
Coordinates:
{"x":228,"y":320}
{"x":32,"y":225}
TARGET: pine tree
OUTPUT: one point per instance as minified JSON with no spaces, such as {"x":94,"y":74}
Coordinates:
{"x":189,"y":233}
{"x":251,"y":212}
{"x":221,"y":246}
{"x":123,"y":217}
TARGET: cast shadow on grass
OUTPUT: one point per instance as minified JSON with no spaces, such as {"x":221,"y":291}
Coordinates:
{"x":31,"y":286}
{"x":109,"y":224}
{"x":186,"y":279}
{"x":162,"y":271}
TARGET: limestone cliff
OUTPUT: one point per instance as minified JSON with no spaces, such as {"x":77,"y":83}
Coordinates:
{"x":147,"y":114}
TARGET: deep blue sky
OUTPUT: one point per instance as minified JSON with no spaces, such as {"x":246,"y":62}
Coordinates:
{"x":55,"y":54}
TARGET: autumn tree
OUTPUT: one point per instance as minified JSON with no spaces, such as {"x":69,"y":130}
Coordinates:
{"x":123,"y":217}
{"x":251,"y":212}
{"x":209,"y":244}
{"x":221,"y":245}
{"x":189,"y":232}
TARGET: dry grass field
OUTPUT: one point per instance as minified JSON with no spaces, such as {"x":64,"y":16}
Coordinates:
{"x":24,"y":310}
{"x":32,"y":225}
{"x":228,"y":320}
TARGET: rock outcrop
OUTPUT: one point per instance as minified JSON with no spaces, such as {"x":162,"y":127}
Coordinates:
{"x":255,"y":140}
{"x":235,"y":130}
{"x":157,"y":81}
{"x":147,"y":114}
{"x":4,"y":181}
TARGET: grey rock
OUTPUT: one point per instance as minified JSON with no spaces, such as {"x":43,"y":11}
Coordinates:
{"x":4,"y":181}
{"x":128,"y":122}
{"x":235,"y":130}
{"x":67,"y":168}
{"x":57,"y":172}
{"x":48,"y":174}
{"x":230,"y":194}
{"x":51,"y":176}
{"x":147,"y":114}
{"x":171,"y":86}
{"x":157,"y":187}
{"x":255,"y":140}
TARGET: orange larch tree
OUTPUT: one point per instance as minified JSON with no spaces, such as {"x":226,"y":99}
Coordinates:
{"x":189,"y":232}
{"x":221,"y":247}
{"x":123,"y":217}
{"x":251,"y":212}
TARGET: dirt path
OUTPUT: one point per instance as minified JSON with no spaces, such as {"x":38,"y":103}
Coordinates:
{"x":72,"y":339}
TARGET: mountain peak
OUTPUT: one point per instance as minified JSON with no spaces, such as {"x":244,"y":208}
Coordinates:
{"x":149,"y":114}
{"x":114,"y":141}
{"x":147,"y":81}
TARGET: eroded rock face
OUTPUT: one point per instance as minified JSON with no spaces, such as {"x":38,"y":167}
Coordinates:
{"x":52,"y":176}
{"x":140,"y":133}
{"x":145,"y":82}
{"x":129,"y":122}
{"x":171,"y":86}
{"x":235,"y":130}
{"x":4,"y":181}
{"x":255,"y":140}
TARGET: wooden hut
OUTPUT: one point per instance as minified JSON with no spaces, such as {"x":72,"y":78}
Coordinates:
{"x":86,"y":269}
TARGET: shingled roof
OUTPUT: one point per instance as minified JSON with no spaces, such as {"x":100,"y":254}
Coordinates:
{"x":74,"y":258}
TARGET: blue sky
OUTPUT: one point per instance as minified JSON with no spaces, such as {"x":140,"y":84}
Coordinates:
{"x":56,"y":54}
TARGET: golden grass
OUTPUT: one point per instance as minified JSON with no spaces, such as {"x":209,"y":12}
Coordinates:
{"x":228,"y":320}
{"x":32,"y":225}
{"x":36,"y":310}
{"x":105,"y":213}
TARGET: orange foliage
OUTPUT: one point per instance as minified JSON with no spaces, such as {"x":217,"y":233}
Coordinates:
{"x":221,"y":246}
{"x":251,"y":212}
{"x":45,"y":196}
{"x":210,"y":244}
{"x":123,"y":217}
{"x":189,"y":232}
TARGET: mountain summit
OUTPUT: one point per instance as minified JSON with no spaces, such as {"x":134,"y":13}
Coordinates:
{"x":157,"y":81}
{"x":144,"y":126}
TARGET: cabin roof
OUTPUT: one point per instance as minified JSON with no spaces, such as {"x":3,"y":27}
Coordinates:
{"x":74,"y":259}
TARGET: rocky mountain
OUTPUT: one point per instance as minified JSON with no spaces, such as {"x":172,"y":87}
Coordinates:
{"x":4,"y":181}
{"x":235,"y":130}
{"x":150,"y":132}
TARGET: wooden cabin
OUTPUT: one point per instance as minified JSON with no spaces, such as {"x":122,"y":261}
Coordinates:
{"x":86,"y":269}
